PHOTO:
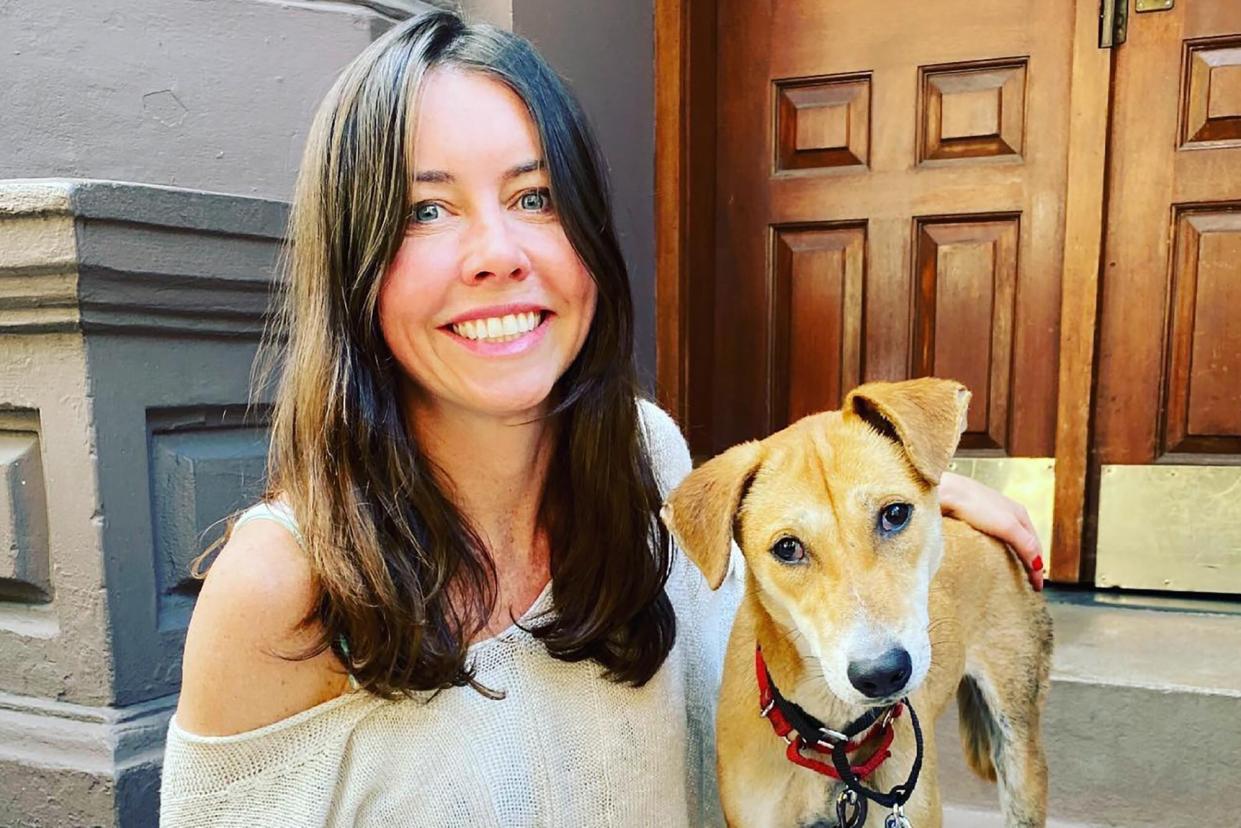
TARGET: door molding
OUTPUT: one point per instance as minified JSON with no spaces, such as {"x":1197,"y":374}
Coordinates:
{"x":684,"y":208}
{"x":1089,"y":122}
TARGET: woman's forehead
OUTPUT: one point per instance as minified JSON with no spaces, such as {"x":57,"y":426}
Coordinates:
{"x":469,"y":122}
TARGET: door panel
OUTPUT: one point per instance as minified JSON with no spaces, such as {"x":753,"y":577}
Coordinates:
{"x":964,"y":306}
{"x":889,"y":189}
{"x":1168,"y":330}
{"x":818,"y":301}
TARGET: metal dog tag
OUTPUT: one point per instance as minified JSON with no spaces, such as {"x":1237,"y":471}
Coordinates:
{"x":896,"y":819}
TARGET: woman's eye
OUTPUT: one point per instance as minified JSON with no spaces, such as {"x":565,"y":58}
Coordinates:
{"x":789,"y":550}
{"x":895,"y":517}
{"x":536,"y":201}
{"x":427,"y":211}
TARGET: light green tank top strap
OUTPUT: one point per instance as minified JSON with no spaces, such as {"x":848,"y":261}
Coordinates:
{"x":276,"y":511}
{"x":282,"y":514}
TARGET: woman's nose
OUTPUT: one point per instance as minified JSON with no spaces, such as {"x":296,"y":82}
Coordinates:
{"x":494,"y":251}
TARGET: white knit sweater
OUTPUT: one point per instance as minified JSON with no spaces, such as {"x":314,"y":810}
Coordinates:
{"x":565,"y":746}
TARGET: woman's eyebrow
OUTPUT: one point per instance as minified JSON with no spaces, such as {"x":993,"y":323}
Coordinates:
{"x":433,"y":177}
{"x":524,"y":169}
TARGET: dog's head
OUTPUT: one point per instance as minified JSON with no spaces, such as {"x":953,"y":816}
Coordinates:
{"x":838,"y":518}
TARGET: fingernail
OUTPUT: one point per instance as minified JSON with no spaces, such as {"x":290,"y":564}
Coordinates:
{"x":1037,"y":563}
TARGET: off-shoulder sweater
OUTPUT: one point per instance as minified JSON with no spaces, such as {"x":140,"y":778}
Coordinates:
{"x":564,"y":747}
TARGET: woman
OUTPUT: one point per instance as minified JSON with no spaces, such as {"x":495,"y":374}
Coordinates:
{"x":456,"y":605}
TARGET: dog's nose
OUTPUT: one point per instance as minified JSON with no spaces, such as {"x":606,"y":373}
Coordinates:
{"x":883,"y":676}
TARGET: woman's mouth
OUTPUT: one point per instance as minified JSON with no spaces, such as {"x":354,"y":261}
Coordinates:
{"x":499,"y":328}
{"x":503,"y":335}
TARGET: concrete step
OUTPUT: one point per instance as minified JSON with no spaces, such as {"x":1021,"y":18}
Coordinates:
{"x":1143,"y":723}
{"x":956,"y":817}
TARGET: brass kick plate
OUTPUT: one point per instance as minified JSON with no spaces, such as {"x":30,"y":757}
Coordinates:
{"x":1031,"y":481}
{"x":1155,"y":5}
{"x":1170,"y":528}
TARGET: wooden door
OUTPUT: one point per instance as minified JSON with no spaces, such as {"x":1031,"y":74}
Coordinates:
{"x":890,"y":191}
{"x":863,"y":190}
{"x":1168,"y":403}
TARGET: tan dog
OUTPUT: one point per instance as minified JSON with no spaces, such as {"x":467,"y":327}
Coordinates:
{"x":859,"y":593}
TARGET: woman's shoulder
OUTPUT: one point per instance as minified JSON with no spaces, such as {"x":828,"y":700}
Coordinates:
{"x":666,"y":445}
{"x":242,"y":668}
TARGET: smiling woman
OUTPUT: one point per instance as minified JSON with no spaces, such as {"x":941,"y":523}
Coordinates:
{"x":456,"y":605}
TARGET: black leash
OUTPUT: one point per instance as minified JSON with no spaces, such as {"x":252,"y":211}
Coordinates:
{"x":851,"y":805}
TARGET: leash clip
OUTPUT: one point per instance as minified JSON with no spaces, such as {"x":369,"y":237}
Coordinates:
{"x":897,"y":818}
{"x":850,"y":809}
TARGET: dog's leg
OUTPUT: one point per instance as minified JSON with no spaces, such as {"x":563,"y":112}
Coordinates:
{"x":1021,"y":769}
{"x":1000,"y":714}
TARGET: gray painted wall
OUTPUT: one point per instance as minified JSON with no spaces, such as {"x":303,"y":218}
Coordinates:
{"x":606,"y":50}
{"x":206,"y":95}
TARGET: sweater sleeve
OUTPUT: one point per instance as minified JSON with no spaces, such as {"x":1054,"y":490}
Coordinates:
{"x":668,"y":450}
{"x":281,"y":774}
{"x":704,"y":621}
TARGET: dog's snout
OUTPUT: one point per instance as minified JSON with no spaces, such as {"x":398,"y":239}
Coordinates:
{"x":883,"y":676}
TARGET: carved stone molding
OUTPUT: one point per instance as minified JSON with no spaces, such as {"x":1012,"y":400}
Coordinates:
{"x":106,"y":256}
{"x":97,"y":749}
{"x":130,"y":316}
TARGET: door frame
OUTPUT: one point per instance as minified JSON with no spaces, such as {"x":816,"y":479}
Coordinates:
{"x":684,"y":208}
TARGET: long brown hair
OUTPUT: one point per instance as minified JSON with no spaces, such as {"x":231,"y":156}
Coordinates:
{"x":403,"y":579}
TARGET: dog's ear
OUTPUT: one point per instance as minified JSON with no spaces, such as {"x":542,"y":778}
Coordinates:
{"x":926,"y":416}
{"x":700,"y":512}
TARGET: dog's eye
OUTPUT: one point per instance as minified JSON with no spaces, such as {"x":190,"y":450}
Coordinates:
{"x":894,"y":517}
{"x":789,"y":550}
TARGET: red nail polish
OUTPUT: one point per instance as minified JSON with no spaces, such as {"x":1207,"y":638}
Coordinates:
{"x":1037,"y":563}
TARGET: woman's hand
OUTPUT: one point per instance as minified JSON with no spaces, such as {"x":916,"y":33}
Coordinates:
{"x":989,"y":511}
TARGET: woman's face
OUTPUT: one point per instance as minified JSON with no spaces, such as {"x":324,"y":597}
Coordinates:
{"x":486,"y":303}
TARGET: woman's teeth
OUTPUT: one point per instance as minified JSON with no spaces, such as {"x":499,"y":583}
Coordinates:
{"x":498,"y":328}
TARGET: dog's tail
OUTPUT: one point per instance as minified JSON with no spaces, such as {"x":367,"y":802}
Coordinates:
{"x":980,"y":734}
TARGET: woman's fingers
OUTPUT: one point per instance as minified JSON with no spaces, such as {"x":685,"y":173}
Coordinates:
{"x":1024,"y":541}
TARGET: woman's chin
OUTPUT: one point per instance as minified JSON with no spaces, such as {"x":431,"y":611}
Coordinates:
{"x":518,"y":403}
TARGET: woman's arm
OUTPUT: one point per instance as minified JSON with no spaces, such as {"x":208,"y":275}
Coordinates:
{"x":989,"y":511}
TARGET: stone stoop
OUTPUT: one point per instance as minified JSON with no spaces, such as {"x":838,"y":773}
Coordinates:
{"x":129,"y":320}
{"x":955,"y":817}
{"x":1143,"y":723}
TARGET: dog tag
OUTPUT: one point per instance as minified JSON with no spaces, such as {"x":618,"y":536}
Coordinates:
{"x":896,"y":819}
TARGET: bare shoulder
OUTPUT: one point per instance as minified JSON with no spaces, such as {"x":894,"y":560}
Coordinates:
{"x":234,"y":677}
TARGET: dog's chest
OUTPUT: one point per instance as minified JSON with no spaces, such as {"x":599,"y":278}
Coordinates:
{"x":814,"y":806}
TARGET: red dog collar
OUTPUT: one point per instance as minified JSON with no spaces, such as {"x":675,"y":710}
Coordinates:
{"x":810,"y":733}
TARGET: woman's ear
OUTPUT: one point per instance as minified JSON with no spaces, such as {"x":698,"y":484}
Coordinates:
{"x":925,"y":416}
{"x":700,"y":512}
